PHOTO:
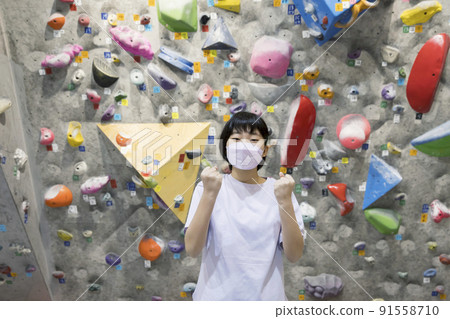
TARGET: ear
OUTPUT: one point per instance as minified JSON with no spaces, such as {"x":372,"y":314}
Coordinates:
{"x":266,"y":150}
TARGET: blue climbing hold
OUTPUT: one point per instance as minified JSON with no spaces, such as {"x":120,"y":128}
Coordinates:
{"x":220,"y":38}
{"x":325,"y":20}
{"x":189,"y":287}
{"x":360,"y":245}
{"x":430,"y":273}
{"x":175,"y":59}
{"x":381,"y":179}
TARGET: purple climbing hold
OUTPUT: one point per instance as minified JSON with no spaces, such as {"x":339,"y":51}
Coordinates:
{"x":307,"y":182}
{"x":109,"y":113}
{"x":354,"y":54}
{"x":239,"y":107}
{"x":323,"y":286}
{"x":388,"y":92}
{"x":158,"y":200}
{"x":162,"y":79}
{"x":175,"y":246}
{"x":321,"y":130}
{"x":112,"y":259}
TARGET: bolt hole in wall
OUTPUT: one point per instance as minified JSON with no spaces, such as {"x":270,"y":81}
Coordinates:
{"x":297,"y":275}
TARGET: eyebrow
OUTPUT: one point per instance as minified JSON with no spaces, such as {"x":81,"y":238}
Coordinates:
{"x":251,"y":133}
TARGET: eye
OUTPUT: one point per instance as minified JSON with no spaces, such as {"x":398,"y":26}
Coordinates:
{"x":254,"y":140}
{"x":235,"y":138}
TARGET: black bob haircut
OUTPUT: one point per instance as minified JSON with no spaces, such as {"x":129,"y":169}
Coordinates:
{"x":243,"y":122}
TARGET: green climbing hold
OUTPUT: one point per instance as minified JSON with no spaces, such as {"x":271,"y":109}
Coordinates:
{"x":205,"y":163}
{"x":435,"y":142}
{"x":178,"y":15}
{"x":402,"y":275}
{"x":150,"y":182}
{"x":386,"y":221}
{"x":402,"y":72}
{"x":119,"y":96}
{"x":94,"y":287}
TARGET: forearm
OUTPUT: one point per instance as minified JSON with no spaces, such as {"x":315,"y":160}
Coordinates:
{"x":197,"y":231}
{"x":292,"y":236}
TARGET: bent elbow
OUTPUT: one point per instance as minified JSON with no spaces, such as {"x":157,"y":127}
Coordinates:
{"x":293,"y":259}
{"x":189,"y":249}
{"x":190,"y":253}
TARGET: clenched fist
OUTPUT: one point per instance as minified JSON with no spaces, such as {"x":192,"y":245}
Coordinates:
{"x":283,"y":188}
{"x":212,"y":180}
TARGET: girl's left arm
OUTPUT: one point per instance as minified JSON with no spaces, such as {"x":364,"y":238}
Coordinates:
{"x":292,"y":235}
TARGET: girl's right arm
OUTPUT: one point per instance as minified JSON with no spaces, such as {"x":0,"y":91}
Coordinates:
{"x":195,"y":237}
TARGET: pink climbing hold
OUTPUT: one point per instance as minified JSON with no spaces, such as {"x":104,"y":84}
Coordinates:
{"x":205,"y":93}
{"x":132,"y":41}
{"x":47,"y":136}
{"x":63,"y":59}
{"x":93,"y":96}
{"x":84,"y":19}
{"x":271,"y":57}
{"x":94,"y":184}
{"x":353,"y":130}
{"x":439,"y":211}
{"x":256,"y":109}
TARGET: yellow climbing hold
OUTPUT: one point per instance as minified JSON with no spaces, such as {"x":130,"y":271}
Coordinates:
{"x":230,"y":5}
{"x":393,"y":149}
{"x":64,"y":235}
{"x":421,"y":13}
{"x":74,"y":136}
{"x":311,"y":72}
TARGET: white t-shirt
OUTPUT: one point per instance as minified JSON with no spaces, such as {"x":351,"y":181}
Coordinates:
{"x":242,"y":258}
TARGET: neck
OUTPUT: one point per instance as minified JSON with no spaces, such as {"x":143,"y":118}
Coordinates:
{"x":247,"y":176}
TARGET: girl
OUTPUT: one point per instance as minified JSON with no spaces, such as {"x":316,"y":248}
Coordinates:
{"x":242,"y":222}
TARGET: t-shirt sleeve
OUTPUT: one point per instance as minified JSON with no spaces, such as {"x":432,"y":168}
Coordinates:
{"x":196,"y":196}
{"x":298,"y":216}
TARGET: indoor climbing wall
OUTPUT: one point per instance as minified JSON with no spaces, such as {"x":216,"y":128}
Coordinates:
{"x":111,"y":109}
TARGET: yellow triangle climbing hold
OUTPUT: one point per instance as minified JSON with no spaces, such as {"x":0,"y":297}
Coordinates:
{"x":159,"y":150}
{"x":230,"y":5}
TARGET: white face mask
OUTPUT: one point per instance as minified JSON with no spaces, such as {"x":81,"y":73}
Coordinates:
{"x":244,"y":155}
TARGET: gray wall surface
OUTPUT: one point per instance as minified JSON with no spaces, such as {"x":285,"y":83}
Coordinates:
{"x":45,"y":101}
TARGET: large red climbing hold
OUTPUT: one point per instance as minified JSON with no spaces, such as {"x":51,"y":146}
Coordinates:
{"x":302,"y":117}
{"x":426,"y":73}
